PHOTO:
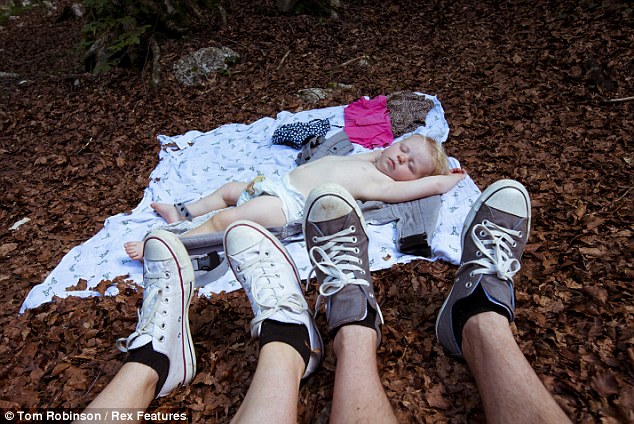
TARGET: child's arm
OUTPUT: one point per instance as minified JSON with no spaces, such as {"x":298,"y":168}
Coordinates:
{"x":404,"y":191}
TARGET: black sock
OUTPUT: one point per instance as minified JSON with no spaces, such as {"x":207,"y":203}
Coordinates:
{"x":474,"y":304}
{"x":156,"y":360}
{"x":369,"y":320}
{"x":295,"y":335}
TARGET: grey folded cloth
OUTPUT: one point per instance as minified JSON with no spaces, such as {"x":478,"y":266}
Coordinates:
{"x":318,"y":147}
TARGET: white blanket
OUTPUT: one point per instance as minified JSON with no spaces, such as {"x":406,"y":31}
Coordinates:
{"x":194,"y":164}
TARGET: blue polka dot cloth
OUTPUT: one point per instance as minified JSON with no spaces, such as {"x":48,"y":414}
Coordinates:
{"x":298,"y":133}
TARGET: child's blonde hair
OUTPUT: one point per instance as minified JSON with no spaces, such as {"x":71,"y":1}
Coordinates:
{"x":438,"y":155}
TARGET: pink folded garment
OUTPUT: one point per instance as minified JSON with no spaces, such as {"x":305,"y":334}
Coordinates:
{"x":367,"y":122}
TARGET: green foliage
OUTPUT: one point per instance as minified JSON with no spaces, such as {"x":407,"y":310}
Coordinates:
{"x":120,"y":30}
{"x":312,"y":8}
{"x":12,"y":9}
{"x":119,"y":25}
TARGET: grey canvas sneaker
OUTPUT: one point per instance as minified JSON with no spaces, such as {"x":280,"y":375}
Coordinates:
{"x":493,"y":240}
{"x":271,"y":281}
{"x":168,"y":279}
{"x":337,"y":243}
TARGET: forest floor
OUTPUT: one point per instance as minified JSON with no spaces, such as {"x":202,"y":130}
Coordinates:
{"x":525,"y":86}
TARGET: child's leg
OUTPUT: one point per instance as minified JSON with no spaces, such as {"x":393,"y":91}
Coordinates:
{"x":265,"y":210}
{"x":225,"y":196}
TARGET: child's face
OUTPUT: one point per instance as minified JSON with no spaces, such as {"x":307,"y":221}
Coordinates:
{"x":406,"y":160}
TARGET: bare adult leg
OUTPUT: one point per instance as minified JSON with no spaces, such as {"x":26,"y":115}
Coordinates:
{"x":358,"y":395}
{"x":509,"y":388}
{"x":337,"y":244}
{"x":279,"y":363}
{"x":132,"y":388}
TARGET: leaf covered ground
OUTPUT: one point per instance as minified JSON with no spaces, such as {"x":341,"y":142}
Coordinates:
{"x":524,"y":85}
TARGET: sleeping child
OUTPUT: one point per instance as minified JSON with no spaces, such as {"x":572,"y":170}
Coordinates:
{"x":410,"y":169}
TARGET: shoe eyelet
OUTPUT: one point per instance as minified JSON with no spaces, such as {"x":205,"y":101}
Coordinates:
{"x":353,"y":228}
{"x":314,"y":239}
{"x":267,"y":253}
{"x":162,"y":326}
{"x":514,"y":244}
{"x":166,"y":300}
{"x":238,"y":268}
{"x":164,"y":313}
{"x":356,"y":250}
{"x":478,"y":253}
{"x":167,"y":275}
{"x":354,"y":239}
{"x":469,"y":284}
{"x":521,"y":234}
{"x":161,"y":339}
{"x":482,"y":234}
{"x":471,"y":274}
{"x":168,"y":289}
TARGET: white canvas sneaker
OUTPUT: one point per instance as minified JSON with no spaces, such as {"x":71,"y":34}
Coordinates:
{"x":168,"y":278}
{"x":271,"y":281}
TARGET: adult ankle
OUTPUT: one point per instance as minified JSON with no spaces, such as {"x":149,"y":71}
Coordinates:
{"x":294,"y":335}
{"x":485,"y":327}
{"x":144,"y":374}
{"x":156,"y":361}
{"x":354,"y":335}
{"x":283,"y":353}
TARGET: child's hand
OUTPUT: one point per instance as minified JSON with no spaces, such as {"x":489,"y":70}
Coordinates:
{"x":458,"y":171}
{"x":457,"y":174}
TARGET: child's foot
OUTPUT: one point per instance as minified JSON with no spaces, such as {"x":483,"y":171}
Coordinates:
{"x":134,"y":249}
{"x":167,"y":211}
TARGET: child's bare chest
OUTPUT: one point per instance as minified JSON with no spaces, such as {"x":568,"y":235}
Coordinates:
{"x":347,"y":172}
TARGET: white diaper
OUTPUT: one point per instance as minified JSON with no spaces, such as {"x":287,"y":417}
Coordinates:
{"x":292,"y":200}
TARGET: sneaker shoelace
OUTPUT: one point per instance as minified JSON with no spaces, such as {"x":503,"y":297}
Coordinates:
{"x":495,"y":243}
{"x":268,"y":288}
{"x":337,"y":260}
{"x":152,"y":298}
